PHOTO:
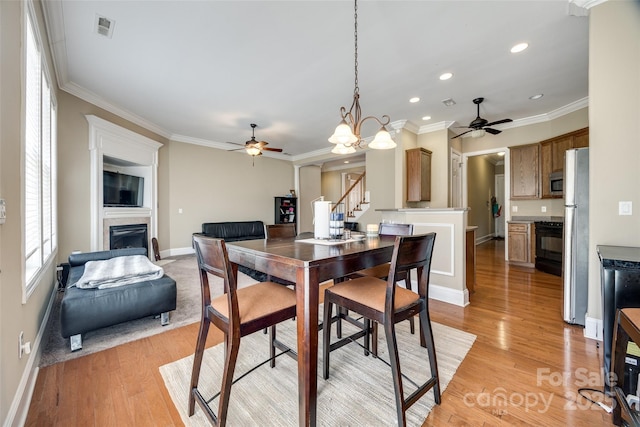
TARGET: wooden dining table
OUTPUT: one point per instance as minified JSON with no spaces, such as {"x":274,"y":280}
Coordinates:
{"x":308,"y":263}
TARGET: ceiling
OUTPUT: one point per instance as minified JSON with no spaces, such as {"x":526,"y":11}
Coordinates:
{"x":202,"y":71}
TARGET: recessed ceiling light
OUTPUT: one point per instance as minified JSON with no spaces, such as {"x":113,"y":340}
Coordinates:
{"x":426,"y":118}
{"x":519,"y":47}
{"x":534,"y":97}
{"x":501,"y":153}
{"x":414,"y":100}
{"x":346,"y":161}
{"x":446,"y":76}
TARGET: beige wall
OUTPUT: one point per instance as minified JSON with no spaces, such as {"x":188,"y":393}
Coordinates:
{"x":310,"y":189}
{"x":614,"y":117}
{"x":15,"y":316}
{"x":212,"y":185}
{"x":438,"y":143}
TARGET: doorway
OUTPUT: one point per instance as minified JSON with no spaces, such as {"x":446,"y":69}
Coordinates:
{"x":484,"y":177}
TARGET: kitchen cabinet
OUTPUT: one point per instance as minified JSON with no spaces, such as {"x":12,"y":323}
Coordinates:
{"x":521,"y":243}
{"x":552,"y":157}
{"x":525,"y":171}
{"x":418,"y":175}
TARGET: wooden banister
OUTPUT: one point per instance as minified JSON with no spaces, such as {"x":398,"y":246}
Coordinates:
{"x":344,"y":196}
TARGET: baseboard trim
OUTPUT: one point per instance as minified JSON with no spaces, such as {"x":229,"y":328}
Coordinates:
{"x":483,"y":239}
{"x":448,"y":295}
{"x":19,"y":409}
{"x":177,"y":252}
{"x":593,"y":328}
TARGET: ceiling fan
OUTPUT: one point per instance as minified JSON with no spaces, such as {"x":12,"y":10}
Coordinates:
{"x":479,"y":125}
{"x":253,"y":147}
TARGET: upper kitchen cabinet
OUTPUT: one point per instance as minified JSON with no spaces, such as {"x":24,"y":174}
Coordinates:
{"x":525,"y":168}
{"x":418,"y":175}
{"x":552,"y":156}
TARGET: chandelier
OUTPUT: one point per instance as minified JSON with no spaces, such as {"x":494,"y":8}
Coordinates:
{"x":347,"y":135}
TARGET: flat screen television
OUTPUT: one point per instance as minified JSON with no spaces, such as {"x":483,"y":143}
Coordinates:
{"x":122,"y":190}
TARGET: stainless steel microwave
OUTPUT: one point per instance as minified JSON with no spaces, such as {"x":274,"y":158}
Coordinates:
{"x":556,"y":183}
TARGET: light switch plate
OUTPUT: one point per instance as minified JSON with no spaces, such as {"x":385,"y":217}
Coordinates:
{"x":514,"y":208}
{"x":625,"y":208}
{"x":543,"y":209}
{"x":3,"y":211}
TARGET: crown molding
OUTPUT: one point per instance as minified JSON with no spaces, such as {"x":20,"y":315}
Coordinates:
{"x":98,"y":101}
{"x":435,"y":127}
{"x":586,"y":4}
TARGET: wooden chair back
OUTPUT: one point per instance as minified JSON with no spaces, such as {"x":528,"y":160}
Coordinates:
{"x":213,"y":259}
{"x":279,"y":231}
{"x":410,"y":252}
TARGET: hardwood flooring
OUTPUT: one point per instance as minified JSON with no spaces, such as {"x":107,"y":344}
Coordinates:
{"x":525,"y":367}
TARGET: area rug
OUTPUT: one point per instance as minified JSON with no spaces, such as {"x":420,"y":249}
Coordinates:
{"x":359,"y":391}
{"x":183,"y":269}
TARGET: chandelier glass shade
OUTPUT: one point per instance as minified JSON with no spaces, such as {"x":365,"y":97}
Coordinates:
{"x":347,"y":134}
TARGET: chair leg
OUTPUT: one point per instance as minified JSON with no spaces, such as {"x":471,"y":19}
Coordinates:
{"x":197,"y":362}
{"x":374,"y":339}
{"x":368,"y":332}
{"x":427,"y":334}
{"x":230,"y":359}
{"x":326,"y":338}
{"x":394,"y":361}
{"x":272,"y":347}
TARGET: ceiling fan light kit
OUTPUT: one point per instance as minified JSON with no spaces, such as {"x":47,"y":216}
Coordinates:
{"x":479,"y":126}
{"x":347,"y":134}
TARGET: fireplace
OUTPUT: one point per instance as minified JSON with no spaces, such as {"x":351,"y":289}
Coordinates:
{"x":128,"y":236}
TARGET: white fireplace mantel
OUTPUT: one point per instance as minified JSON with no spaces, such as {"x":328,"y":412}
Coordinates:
{"x":129,"y":149}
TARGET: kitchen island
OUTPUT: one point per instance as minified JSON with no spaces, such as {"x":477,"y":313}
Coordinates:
{"x":448,"y":267}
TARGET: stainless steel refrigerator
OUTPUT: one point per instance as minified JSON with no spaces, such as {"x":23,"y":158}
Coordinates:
{"x":575,"y":264}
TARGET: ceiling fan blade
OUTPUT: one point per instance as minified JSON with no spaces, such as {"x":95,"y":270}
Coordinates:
{"x":279,"y":150}
{"x":235,"y":143}
{"x":493,"y":131}
{"x":462,"y":134}
{"x":499,"y":122}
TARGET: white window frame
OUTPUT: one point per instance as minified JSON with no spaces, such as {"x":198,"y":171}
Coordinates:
{"x":39,"y":159}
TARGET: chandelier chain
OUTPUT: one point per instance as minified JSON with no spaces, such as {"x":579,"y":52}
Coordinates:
{"x":355,"y":38}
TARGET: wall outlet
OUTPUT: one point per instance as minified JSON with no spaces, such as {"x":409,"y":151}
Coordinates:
{"x":543,"y":209}
{"x":514,"y":208}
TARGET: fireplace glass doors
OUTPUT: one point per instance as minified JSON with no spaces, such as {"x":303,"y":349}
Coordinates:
{"x":128,"y":236}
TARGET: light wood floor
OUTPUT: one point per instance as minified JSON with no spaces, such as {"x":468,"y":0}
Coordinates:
{"x":525,"y":367}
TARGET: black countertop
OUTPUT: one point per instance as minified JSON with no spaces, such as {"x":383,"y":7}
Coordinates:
{"x":619,"y":256}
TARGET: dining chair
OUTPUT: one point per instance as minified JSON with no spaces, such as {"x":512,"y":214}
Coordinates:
{"x":237,"y":313}
{"x":382,"y":272}
{"x":387,"y":303}
{"x":278,"y":231}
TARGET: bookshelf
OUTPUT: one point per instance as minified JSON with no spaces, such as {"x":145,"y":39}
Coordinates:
{"x":286,"y":210}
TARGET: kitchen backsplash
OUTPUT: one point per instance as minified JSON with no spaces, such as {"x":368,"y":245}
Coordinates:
{"x":554,"y":207}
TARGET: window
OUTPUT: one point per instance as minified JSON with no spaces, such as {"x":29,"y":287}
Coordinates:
{"x":40,"y":240}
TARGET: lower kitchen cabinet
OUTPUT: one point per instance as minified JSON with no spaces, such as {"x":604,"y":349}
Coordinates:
{"x":521,"y":243}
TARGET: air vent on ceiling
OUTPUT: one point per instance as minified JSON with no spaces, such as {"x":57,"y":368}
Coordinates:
{"x":104,"y":26}
{"x":449,"y":102}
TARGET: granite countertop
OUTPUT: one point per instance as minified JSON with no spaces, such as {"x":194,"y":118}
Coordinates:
{"x":423,"y":210}
{"x":537,"y":218}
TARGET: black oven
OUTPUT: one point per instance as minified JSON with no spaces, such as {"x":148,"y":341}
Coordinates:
{"x":549,"y":247}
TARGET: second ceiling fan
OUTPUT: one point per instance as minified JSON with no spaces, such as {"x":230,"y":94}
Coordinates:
{"x":254,"y":147}
{"x":478,"y":125}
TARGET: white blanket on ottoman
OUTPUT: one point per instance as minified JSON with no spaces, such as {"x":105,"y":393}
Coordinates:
{"x":118,"y":271}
